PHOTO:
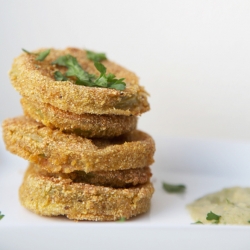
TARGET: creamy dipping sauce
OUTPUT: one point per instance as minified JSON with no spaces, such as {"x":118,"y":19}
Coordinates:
{"x":232,"y":204}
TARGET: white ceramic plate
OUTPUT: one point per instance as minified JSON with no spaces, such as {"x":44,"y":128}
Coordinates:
{"x":204,"y":166}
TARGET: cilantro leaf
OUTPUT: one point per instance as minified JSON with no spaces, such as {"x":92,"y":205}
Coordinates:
{"x":173,"y":188}
{"x":213,"y":216}
{"x":59,"y":76}
{"x":84,"y":78}
{"x":1,"y":215}
{"x":41,"y":56}
{"x":96,"y":57}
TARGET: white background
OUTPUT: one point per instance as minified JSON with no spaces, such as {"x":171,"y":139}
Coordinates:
{"x":192,"y":56}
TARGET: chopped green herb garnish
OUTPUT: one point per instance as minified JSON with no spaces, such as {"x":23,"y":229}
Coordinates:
{"x":197,"y":222}
{"x":170,"y":188}
{"x":96,"y":57}
{"x":229,"y":202}
{"x":40,"y":56}
{"x":59,"y":76}
{"x":108,"y":81}
{"x":26,"y":51}
{"x":1,"y":215}
{"x":249,"y":221}
{"x":84,"y":78}
{"x":122,"y":219}
{"x":214,"y":217}
{"x":75,"y":70}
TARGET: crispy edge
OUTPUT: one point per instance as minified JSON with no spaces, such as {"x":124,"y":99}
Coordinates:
{"x":116,"y":179}
{"x":34,"y":80}
{"x":86,"y":125}
{"x":59,"y":152}
{"x":50,"y":196}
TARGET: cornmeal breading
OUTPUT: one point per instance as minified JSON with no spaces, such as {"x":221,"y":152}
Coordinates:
{"x":52,"y":196}
{"x":56,"y":151}
{"x":35,"y":81}
{"x":115,"y":179}
{"x":86,"y":125}
{"x":87,"y":160}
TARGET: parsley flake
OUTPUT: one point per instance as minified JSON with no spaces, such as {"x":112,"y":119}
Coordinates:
{"x":170,"y":188}
{"x":96,"y":57}
{"x":75,"y":70}
{"x":108,"y":80}
{"x":197,"y":222}
{"x":229,"y":202}
{"x":40,"y":56}
{"x":1,"y":215}
{"x":26,"y":51}
{"x":122,"y":219}
{"x":84,"y":78}
{"x":214,"y":217}
{"x":59,"y":76}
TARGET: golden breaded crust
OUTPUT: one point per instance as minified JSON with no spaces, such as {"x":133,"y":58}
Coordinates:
{"x":51,"y":196}
{"x":35,"y":81}
{"x":68,"y":152}
{"x":86,"y":125}
{"x":115,"y":179}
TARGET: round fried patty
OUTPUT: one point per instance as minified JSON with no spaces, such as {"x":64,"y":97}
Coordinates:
{"x":115,"y":179}
{"x":35,"y":80}
{"x":86,"y":125}
{"x":53,"y":196}
{"x":56,"y":151}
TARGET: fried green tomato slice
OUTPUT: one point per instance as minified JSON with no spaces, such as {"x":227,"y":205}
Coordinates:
{"x":60,"y":152}
{"x":53,"y":196}
{"x":116,"y":179}
{"x":35,"y":80}
{"x":86,"y":125}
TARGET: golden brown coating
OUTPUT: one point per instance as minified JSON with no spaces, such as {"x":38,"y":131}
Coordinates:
{"x":35,"y":81}
{"x":60,"y":152}
{"x":51,"y":196}
{"x":86,"y":125}
{"x":116,"y":179}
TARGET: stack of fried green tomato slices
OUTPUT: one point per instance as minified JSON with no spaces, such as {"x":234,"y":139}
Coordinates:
{"x":87,"y":160}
